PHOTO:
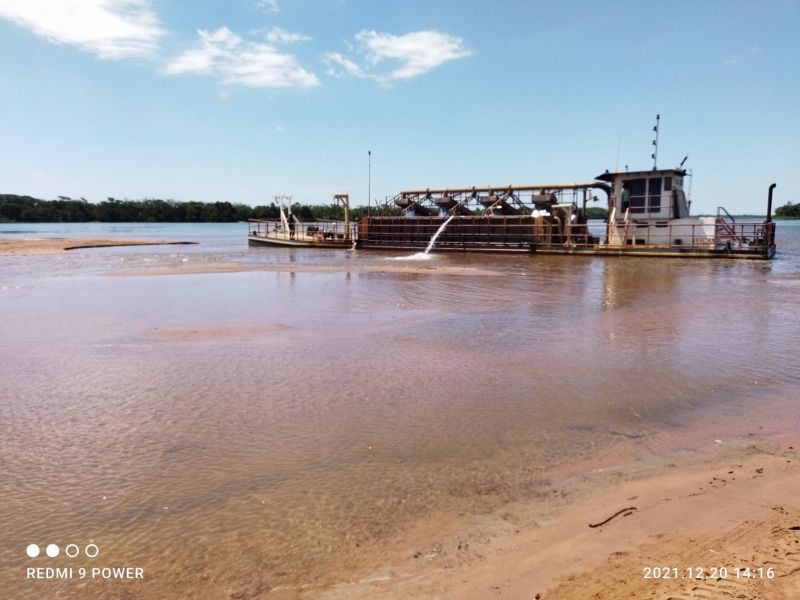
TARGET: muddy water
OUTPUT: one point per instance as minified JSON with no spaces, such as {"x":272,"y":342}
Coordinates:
{"x":235,"y":433}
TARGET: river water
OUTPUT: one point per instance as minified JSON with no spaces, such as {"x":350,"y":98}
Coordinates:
{"x":235,"y":432}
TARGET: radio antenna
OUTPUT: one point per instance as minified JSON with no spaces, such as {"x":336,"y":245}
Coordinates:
{"x":654,"y":155}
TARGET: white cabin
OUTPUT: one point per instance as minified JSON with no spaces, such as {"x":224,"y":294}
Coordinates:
{"x":650,"y":208}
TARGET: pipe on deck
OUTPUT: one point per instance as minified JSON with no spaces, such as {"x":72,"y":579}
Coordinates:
{"x":769,"y":202}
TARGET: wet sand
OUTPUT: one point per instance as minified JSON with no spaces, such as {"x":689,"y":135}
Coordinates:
{"x":58,"y":245}
{"x":727,"y":507}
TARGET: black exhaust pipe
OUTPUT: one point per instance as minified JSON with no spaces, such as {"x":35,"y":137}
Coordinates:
{"x":769,"y":203}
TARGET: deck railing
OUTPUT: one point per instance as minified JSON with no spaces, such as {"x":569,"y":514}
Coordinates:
{"x":325,"y":230}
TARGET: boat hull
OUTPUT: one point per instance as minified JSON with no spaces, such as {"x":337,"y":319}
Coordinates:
{"x":598,"y":250}
{"x":526,"y":234}
{"x":298,"y":243}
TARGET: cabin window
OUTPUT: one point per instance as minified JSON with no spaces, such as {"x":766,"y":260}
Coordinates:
{"x":654,"y":195}
{"x":667,"y":184}
{"x":638,"y":199}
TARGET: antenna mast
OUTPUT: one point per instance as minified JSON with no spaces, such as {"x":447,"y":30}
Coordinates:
{"x":654,"y":155}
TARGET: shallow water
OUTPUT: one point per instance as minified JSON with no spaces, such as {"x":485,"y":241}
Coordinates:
{"x":236,"y":432}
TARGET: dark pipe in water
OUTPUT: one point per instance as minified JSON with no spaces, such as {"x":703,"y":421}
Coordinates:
{"x":769,"y":203}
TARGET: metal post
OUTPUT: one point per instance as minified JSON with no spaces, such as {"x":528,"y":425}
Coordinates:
{"x":345,"y":200}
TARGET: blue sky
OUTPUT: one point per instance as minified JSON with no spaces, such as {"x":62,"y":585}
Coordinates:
{"x":245,"y":99}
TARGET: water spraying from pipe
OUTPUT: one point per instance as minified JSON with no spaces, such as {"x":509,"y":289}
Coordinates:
{"x":425,"y":255}
{"x":436,"y":235}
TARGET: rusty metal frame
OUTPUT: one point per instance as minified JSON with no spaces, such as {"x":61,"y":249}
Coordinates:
{"x":472,"y":200}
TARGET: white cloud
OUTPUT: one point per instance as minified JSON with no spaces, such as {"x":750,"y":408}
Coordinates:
{"x":240,"y":62}
{"x":276,"y":35}
{"x":417,"y":53}
{"x":111,"y":29}
{"x":269,"y":5}
{"x":339,"y":66}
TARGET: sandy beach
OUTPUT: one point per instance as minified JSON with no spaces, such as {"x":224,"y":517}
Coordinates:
{"x":682,"y":529}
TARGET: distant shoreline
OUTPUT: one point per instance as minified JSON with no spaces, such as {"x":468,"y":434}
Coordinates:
{"x":27,"y":209}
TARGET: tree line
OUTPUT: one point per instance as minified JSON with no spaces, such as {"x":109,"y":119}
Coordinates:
{"x":25,"y":209}
{"x":788,"y":211}
{"x":596,"y":212}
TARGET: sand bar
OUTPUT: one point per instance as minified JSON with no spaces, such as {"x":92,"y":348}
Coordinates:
{"x":729,"y":507}
{"x":58,"y":245}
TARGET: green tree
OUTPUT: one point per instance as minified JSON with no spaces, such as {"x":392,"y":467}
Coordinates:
{"x":788,"y":211}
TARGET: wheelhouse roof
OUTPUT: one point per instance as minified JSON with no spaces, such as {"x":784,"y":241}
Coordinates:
{"x":632,"y":174}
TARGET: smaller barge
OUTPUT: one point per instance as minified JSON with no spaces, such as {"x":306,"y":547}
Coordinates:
{"x":289,"y":231}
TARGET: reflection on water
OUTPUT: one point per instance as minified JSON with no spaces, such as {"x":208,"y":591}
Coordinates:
{"x":238,"y":432}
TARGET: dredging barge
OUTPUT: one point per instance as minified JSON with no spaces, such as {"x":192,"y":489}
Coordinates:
{"x":648,"y":215}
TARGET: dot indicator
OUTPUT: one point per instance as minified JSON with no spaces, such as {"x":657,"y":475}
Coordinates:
{"x":52,"y":550}
{"x":32,"y":550}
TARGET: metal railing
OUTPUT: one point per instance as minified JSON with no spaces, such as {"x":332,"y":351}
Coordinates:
{"x":301,"y":231}
{"x":727,"y":225}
